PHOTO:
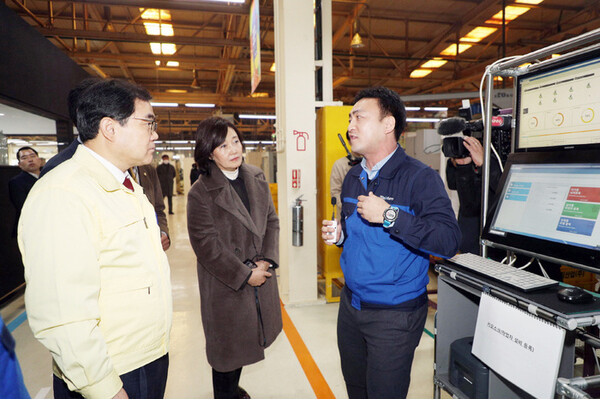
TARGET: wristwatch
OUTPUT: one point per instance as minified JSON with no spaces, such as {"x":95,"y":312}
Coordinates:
{"x":389,"y":216}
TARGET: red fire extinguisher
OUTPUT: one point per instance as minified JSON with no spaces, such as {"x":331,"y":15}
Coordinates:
{"x":301,"y":140}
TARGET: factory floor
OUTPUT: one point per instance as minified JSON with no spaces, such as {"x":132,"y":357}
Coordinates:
{"x":302,"y":363}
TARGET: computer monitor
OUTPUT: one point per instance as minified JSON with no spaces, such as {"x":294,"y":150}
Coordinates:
{"x":558,"y":106}
{"x":548,"y":206}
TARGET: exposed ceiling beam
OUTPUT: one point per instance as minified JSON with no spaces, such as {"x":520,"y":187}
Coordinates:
{"x":428,"y":48}
{"x":243,"y":9}
{"x":225,"y":101}
{"x":201,"y":62}
{"x":141,"y":38}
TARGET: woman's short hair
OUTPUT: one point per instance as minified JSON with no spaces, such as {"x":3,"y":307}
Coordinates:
{"x":210,"y":134}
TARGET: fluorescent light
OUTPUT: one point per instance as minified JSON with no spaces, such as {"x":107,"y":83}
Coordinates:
{"x":451,"y":49}
{"x":230,"y":1}
{"x":156,"y":14}
{"x":412,"y":108}
{"x":250,"y":148}
{"x":152,"y":28}
{"x":164,"y":104}
{"x":172,"y":63}
{"x":178,"y":91}
{"x":435,"y":109}
{"x":174,"y":149}
{"x":163,"y":48}
{"x":1,"y":114}
{"x":260,"y":142}
{"x":478,"y":34}
{"x":246,"y":116}
{"x":166,"y":30}
{"x":168,"y":48}
{"x":423,"y":119}
{"x":434,"y":63}
{"x":511,"y":12}
{"x":420,"y":73}
{"x":199,"y":105}
{"x":155,"y":48}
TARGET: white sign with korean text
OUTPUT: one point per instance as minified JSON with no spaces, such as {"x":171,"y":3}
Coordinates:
{"x":519,"y":346}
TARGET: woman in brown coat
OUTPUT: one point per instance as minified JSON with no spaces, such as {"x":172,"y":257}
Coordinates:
{"x":234,"y":231}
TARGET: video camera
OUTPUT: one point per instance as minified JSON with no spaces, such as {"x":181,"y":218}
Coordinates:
{"x":457,"y":127}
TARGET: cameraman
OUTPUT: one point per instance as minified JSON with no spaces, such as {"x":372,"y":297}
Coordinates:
{"x":464,"y":176}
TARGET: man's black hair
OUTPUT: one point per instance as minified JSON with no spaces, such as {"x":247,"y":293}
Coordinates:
{"x":112,"y":98}
{"x":74,"y":94}
{"x":390,"y":103}
{"x":23,"y":149}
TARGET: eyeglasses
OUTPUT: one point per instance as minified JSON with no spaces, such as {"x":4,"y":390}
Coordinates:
{"x":152,"y":123}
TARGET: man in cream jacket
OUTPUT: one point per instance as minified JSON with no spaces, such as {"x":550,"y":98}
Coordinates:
{"x":98,"y":288}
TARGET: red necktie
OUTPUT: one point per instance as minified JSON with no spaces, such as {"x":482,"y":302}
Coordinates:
{"x":127,"y":183}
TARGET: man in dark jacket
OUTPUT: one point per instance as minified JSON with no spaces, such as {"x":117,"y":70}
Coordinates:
{"x":166,"y":174}
{"x":395,"y":213}
{"x":20,"y":185}
{"x":464,"y":176}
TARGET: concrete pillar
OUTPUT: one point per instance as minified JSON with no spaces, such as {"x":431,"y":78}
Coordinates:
{"x":296,"y":145}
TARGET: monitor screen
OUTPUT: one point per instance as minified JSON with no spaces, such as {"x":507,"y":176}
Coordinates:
{"x":549,"y":205}
{"x":558,"y":107}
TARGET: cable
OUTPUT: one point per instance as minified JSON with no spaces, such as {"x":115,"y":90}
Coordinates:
{"x":542,"y":269}
{"x":596,"y":358}
{"x":481,"y":83}
{"x":513,"y":260}
{"x":527,"y":264}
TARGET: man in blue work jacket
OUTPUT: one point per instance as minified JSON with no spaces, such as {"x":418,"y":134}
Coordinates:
{"x":395,"y":213}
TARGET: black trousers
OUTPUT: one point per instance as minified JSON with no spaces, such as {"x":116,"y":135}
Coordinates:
{"x":170,"y":202}
{"x":377,"y":347}
{"x":225,"y":385}
{"x":146,"y":382}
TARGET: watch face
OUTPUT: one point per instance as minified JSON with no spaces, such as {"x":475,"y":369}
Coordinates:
{"x":390,"y":214}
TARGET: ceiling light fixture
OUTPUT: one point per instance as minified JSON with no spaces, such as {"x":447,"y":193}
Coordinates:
{"x":164,"y":104}
{"x":451,"y":49}
{"x":420,"y":73}
{"x":432,"y":120}
{"x":247,"y":116}
{"x":434,"y":63}
{"x":412,"y":108}
{"x":195,"y":84}
{"x":199,"y":105}
{"x":435,"y":109}
{"x":357,"y":41}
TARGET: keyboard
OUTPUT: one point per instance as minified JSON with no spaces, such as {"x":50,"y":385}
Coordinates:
{"x":516,"y":278}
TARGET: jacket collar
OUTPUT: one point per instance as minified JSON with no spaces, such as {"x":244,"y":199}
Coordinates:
{"x":228,"y":200}
{"x":98,"y":171}
{"x":389,"y":170}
